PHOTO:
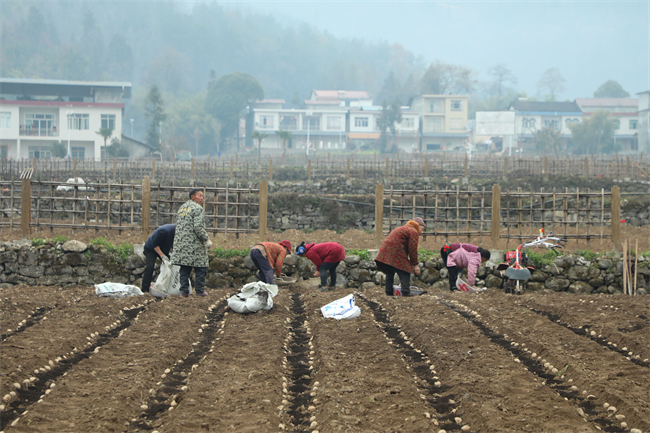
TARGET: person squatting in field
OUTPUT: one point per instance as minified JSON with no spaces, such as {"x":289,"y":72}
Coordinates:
{"x":268,"y":256}
{"x":159,"y":244}
{"x":326,"y":256}
{"x":192,"y":243}
{"x":463,"y":256}
{"x":398,"y":253}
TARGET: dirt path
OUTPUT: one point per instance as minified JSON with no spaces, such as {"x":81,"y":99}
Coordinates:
{"x":453,"y":362}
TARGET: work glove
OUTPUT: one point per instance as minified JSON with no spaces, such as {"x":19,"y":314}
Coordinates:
{"x":166,"y":260}
{"x":208,"y":245}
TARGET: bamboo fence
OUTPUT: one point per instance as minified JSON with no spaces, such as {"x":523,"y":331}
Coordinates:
{"x":299,"y":167}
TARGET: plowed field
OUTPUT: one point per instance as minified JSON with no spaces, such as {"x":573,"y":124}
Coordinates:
{"x":489,"y":362}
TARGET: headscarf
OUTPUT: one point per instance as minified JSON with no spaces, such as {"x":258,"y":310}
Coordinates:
{"x":415,"y":225}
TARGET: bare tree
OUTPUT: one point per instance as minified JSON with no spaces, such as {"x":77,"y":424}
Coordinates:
{"x":552,"y":82}
{"x":446,"y":79}
{"x":502,"y":75}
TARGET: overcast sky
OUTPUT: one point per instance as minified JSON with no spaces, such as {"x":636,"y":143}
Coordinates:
{"x":589,"y":42}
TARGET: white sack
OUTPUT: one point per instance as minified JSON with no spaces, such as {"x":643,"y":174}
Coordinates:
{"x":168,"y":282}
{"x":339,"y":308}
{"x":350,"y":314}
{"x":116,"y":290}
{"x":253,"y":297}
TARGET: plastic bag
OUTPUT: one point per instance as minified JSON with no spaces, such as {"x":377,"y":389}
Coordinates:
{"x":344,"y":308}
{"x":168,"y":282}
{"x":464,"y":287}
{"x":253,"y":297}
{"x":116,"y":290}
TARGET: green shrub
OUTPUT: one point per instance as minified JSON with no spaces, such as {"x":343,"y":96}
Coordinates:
{"x":37,"y":242}
{"x":122,"y":251}
{"x":424,"y":255}
{"x":540,"y":259}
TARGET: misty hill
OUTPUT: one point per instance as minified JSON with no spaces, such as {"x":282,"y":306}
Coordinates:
{"x":163,"y":43}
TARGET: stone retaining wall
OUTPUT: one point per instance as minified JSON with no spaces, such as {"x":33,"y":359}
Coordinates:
{"x":75,"y":263}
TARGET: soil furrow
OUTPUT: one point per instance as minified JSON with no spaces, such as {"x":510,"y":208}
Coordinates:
{"x":361,"y":382}
{"x":169,"y":391}
{"x":485,"y":385}
{"x":418,"y":362}
{"x":594,"y":336}
{"x":33,"y":319}
{"x":622,"y":320}
{"x":35,"y":390}
{"x":105,"y":391}
{"x":67,"y":328}
{"x":582,"y":365}
{"x":237,"y":386}
{"x":298,"y":367}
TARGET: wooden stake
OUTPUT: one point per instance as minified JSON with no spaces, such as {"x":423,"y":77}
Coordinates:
{"x":625,"y":267}
{"x":636,"y":263}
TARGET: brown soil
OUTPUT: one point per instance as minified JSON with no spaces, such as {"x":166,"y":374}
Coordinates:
{"x":439,"y":361}
{"x":357,"y":239}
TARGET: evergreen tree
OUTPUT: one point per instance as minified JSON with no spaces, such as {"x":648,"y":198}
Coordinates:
{"x":155,"y":110}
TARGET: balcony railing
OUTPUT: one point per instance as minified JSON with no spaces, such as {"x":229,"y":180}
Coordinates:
{"x":288,"y":126}
{"x":34,"y":131}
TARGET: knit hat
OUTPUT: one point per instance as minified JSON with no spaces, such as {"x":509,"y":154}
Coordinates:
{"x":286,"y":244}
{"x":420,"y":221}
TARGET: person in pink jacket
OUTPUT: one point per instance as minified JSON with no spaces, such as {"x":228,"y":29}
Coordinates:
{"x":463,"y":256}
{"x":326,"y":256}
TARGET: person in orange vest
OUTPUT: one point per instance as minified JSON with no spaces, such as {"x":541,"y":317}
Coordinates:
{"x":398,"y":253}
{"x":269,"y":256}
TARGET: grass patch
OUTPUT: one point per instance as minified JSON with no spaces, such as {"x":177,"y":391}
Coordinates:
{"x":424,"y":255}
{"x":122,"y":251}
{"x":363,"y":254}
{"x":226,"y":253}
{"x":588,"y":255}
{"x":38,"y":242}
{"x":59,"y":239}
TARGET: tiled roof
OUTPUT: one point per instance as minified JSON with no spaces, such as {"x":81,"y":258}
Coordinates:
{"x":321,"y":102}
{"x":607,"y":102}
{"x":547,"y":107}
{"x":341,"y":94}
{"x":271,"y":101}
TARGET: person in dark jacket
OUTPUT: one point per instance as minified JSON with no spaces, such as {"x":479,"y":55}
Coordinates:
{"x":398,"y":253}
{"x":158,"y":245}
{"x":458,"y":256}
{"x":326,"y":256}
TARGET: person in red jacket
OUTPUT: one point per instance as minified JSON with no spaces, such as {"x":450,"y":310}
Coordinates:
{"x":398,"y":253}
{"x":268,"y":256}
{"x":463,"y":256}
{"x":326,"y":257}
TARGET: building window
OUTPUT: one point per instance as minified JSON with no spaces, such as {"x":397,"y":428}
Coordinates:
{"x":361,"y":122}
{"x":432,"y":146}
{"x":79,"y":121}
{"x":569,"y":122}
{"x":78,"y":152}
{"x":552,"y":124}
{"x":456,"y":105}
{"x":633,"y":123}
{"x":266,"y":122}
{"x":5,"y":119}
{"x":408,"y":123}
{"x":333,"y":123}
{"x":108,"y":121}
{"x":433,"y":124}
{"x":311,"y":122}
{"x":39,"y":124}
{"x":40,"y":152}
{"x":289,"y":123}
{"x":529,"y":123}
{"x":436,"y":106}
{"x":455,"y":124}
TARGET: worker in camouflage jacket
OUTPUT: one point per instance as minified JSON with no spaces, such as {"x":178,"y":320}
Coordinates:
{"x":191,"y":243}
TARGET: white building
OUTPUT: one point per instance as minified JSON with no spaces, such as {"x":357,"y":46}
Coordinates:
{"x":644,"y":121}
{"x":624,"y":110}
{"x":364,"y":129}
{"x":36,"y":113}
{"x":322,"y":125}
